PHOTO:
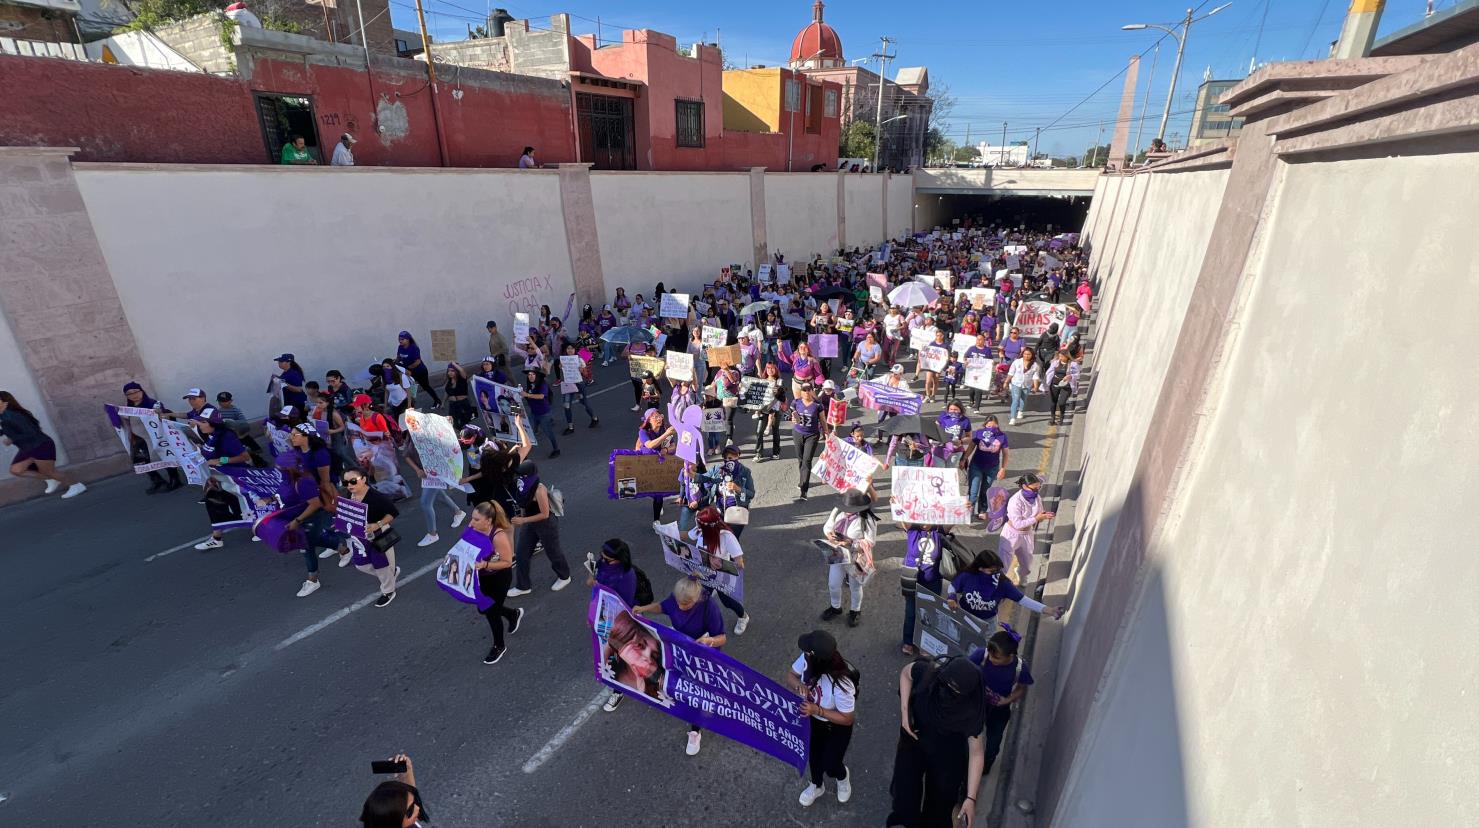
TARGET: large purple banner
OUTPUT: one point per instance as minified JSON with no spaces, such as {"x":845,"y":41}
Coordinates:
{"x":255,"y":489}
{"x":879,"y":396}
{"x":697,"y":684}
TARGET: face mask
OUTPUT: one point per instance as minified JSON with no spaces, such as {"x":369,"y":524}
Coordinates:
{"x":1030,"y":495}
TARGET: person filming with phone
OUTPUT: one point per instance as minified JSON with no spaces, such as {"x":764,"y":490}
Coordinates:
{"x":396,"y":802}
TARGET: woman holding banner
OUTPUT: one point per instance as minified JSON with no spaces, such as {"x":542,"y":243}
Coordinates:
{"x":379,"y":512}
{"x":430,"y":497}
{"x":852,"y":527}
{"x":718,"y":539}
{"x":537,"y":401}
{"x":496,"y":574}
{"x":694,"y":612}
{"x":828,"y":685}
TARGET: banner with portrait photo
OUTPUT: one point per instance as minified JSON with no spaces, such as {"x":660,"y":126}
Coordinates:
{"x":499,"y":405}
{"x":940,"y":630}
{"x":255,"y":490}
{"x":440,"y":451}
{"x":456,"y":573}
{"x":694,"y":561}
{"x":844,"y":466}
{"x":632,"y":474}
{"x":1033,"y":318}
{"x":693,"y":683}
{"x":928,"y":495}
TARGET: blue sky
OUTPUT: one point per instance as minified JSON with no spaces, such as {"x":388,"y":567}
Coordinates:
{"x":1013,"y":63}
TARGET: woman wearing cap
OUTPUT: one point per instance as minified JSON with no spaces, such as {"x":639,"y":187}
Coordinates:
{"x":806,"y":427}
{"x":408,"y":356}
{"x":379,"y":512}
{"x":734,"y":489}
{"x":694,"y":612}
{"x":538,"y":524}
{"x":1005,"y":679}
{"x":292,"y":378}
{"x":35,"y":452}
{"x":1024,"y":513}
{"x":942,"y":719}
{"x":573,"y":387}
{"x":716,"y":538}
{"x":726,"y":391}
{"x":536,"y":393}
{"x":980,"y":588}
{"x":853,"y":527}
{"x":173,"y":478}
{"x":828,"y":686}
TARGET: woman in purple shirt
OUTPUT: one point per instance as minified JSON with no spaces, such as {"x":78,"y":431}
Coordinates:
{"x":806,"y":427}
{"x":408,"y":356}
{"x":980,"y":588}
{"x":1005,"y":679}
{"x":694,"y":612}
{"x":537,"y":400}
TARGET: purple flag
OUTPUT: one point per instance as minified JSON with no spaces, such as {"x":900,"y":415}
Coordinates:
{"x":456,"y":573}
{"x":275,"y":534}
{"x":255,"y":489}
{"x":698,"y":684}
{"x":879,"y":396}
{"x":823,"y":345}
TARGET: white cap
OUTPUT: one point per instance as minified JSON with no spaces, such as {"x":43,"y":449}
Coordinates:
{"x":897,"y":369}
{"x":830,"y":384}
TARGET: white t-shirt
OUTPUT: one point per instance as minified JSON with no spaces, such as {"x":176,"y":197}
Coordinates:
{"x":729,"y":545}
{"x":892,"y":324}
{"x":827,"y":694}
{"x":395,"y":392}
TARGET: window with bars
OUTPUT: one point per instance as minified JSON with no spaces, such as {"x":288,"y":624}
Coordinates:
{"x":690,"y":123}
{"x":831,"y":105}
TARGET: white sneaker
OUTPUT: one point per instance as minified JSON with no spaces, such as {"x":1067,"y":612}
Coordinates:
{"x":810,"y":794}
{"x":516,"y":592}
{"x":458,"y":518}
{"x":327,"y":553}
{"x":210,"y":543}
{"x":308,"y":588}
{"x":344,"y":559}
{"x":636,"y":408}
{"x":694,"y":737}
{"x":428,"y":540}
{"x":844,"y":787}
{"x":561,"y":584}
{"x":741,"y":624}
{"x":613,"y":702}
{"x":73,"y":490}
{"x":52,"y":485}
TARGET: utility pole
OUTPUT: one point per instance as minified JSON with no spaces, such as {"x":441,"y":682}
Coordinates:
{"x":431,"y":84}
{"x":883,"y":57}
{"x":967,"y":136}
{"x":1001,"y":155}
{"x":1036,"y":135}
{"x":1097,"y":141}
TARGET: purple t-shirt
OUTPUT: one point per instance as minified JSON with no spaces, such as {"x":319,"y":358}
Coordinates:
{"x":974,"y":351}
{"x":804,"y":416}
{"x":295,"y":496}
{"x":700,"y":619}
{"x":623,"y":583}
{"x":923,"y":551}
{"x":1001,"y":679}
{"x":979,"y":593}
{"x":954,"y":425}
{"x":539,"y":408}
{"x":312,"y":460}
{"x":405,"y":355}
{"x":222,"y":445}
{"x":988,"y":456}
{"x":1012,"y":348}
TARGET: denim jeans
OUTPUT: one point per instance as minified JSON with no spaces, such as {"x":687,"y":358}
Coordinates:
{"x":1019,"y":400}
{"x":978,"y":480}
{"x":321,"y":535}
{"x":545,"y":423}
{"x":429,"y":498}
{"x":608,"y":351}
{"x":578,"y":393}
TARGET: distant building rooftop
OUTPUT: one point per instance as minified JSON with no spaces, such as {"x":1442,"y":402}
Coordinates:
{"x":1442,"y":31}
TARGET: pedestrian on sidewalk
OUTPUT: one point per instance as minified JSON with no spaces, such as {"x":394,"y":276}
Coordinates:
{"x":1005,"y":677}
{"x":828,"y":686}
{"x":35,"y":452}
{"x":1024,"y":513}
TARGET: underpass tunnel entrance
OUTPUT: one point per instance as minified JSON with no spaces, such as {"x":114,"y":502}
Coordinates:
{"x":1065,"y":213}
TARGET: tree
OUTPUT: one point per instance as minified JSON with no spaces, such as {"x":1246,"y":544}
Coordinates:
{"x":967,"y":153}
{"x":936,"y":145}
{"x":857,"y":140}
{"x":149,"y":14}
{"x":1096,"y":156}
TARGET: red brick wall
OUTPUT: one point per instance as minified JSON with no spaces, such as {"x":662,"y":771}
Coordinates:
{"x":37,"y":24}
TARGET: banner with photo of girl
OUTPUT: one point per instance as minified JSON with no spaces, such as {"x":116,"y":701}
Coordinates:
{"x":695,"y":561}
{"x":694,"y":683}
{"x":255,"y":490}
{"x":499,"y":406}
{"x":456,"y":573}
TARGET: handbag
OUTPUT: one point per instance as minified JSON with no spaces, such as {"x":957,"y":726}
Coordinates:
{"x":386,"y":540}
{"x":737,"y":515}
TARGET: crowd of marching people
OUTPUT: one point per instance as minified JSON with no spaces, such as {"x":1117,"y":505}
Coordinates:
{"x":917,"y":316}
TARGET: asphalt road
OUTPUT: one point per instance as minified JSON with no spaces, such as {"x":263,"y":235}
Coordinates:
{"x":147,"y":683}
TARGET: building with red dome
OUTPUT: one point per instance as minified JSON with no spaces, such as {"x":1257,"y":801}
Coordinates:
{"x":817,"y":46}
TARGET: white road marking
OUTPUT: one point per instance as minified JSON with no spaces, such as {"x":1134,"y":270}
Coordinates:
{"x":357,"y":605}
{"x":590,"y":394}
{"x":564,"y":735}
{"x":186,"y":545}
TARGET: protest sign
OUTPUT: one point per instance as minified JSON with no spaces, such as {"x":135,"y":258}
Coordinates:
{"x":878,"y":280}
{"x":570,"y":370}
{"x":674,"y":306}
{"x":941,"y":631}
{"x":638,"y":364}
{"x":1014,"y":261}
{"x":934,"y":358}
{"x":960,"y":342}
{"x":1016,"y":278}
{"x":783,"y":272}
{"x":980,"y":298}
{"x":350,"y":517}
{"x":756,"y":393}
{"x":168,"y":442}
{"x":978,"y":372}
{"x":688,"y":422}
{"x":693,"y":683}
{"x":793,"y":320}
{"x":444,"y":344}
{"x":722,"y":356}
{"x":928,"y":495}
{"x":693,"y":560}
{"x":456,"y":573}
{"x":436,"y":442}
{"x":836,"y":412}
{"x":1033,"y":318}
{"x":844,"y":466}
{"x":823,"y":346}
{"x":944,"y":277}
{"x":877,"y":395}
{"x":921,"y":338}
{"x":679,"y":366}
{"x":521,"y":328}
{"x":996,"y":507}
{"x":255,"y":490}
{"x":714,"y":421}
{"x":762,"y":275}
{"x":499,"y":405}
{"x":637,"y":474}
{"x":714,"y":337}
{"x":875,"y":294}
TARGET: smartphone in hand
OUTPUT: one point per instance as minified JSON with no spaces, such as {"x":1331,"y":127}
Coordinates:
{"x":384,"y":766}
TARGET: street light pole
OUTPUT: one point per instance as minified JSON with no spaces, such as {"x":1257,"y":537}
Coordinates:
{"x":883,"y":57}
{"x":1185,"y":25}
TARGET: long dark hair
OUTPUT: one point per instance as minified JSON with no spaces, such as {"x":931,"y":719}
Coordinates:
{"x":984,"y":560}
{"x":396,"y":376}
{"x":836,"y":668}
{"x":617,"y":550}
{"x":387,"y":806}
{"x":12,"y":403}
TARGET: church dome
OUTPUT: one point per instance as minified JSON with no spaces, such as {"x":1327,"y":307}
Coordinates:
{"x":817,"y":45}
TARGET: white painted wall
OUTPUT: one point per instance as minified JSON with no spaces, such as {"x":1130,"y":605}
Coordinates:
{"x":674,"y":228}
{"x":221,"y":270}
{"x":800,"y":214}
{"x":863,"y":203}
{"x":1299,"y":656}
{"x":900,"y":205}
{"x":139,"y":48}
{"x":16,"y":378}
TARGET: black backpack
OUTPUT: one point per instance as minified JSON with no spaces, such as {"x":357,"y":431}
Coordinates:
{"x":643,"y":593}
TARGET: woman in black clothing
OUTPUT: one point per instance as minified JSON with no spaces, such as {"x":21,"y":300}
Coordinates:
{"x":35,"y":452}
{"x":379,"y":512}
{"x":942,"y":709}
{"x":828,"y":685}
{"x":459,"y":403}
{"x":496,"y":574}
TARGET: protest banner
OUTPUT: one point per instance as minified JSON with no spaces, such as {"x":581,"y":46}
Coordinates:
{"x":722,"y":356}
{"x":714,"y":337}
{"x":499,"y":405}
{"x":877,"y":395}
{"x":1033,"y":318}
{"x":521,"y":328}
{"x":996,"y":507}
{"x":638,"y":474}
{"x":456,"y":573}
{"x":762,"y":275}
{"x":756,"y":393}
{"x":960,"y":342}
{"x":570,"y":370}
{"x":878,"y":280}
{"x":636,"y":365}
{"x":980,"y":298}
{"x":783,"y":272}
{"x":1013,"y":261}
{"x":920,"y":338}
{"x":436,"y":442}
{"x":823,"y":346}
{"x":275,"y":531}
{"x":351,"y":519}
{"x":978,"y":372}
{"x":941,"y":631}
{"x":928,"y":495}
{"x":714,"y":422}
{"x":169,"y":444}
{"x":934,"y":358}
{"x":693,"y":683}
{"x":255,"y":490}
{"x":674,"y":306}
{"x":875,"y":294}
{"x":844,"y":466}
{"x":836,"y":412}
{"x":944,"y":277}
{"x":793,"y":320}
{"x":679,"y":366}
{"x":444,"y":344}
{"x":693,"y":560}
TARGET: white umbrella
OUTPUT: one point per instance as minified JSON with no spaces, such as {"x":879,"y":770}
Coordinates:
{"x":912,"y":294}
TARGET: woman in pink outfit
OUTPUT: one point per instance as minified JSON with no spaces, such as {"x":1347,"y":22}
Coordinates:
{"x":1085,"y":294}
{"x":1024,"y":513}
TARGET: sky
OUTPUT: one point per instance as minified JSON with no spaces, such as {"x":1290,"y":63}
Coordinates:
{"x":1021,"y":65}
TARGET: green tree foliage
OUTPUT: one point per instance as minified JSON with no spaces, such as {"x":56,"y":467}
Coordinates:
{"x":857,"y":140}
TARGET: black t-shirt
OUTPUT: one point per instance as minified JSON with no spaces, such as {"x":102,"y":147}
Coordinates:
{"x":928,"y":708}
{"x":378,"y":505}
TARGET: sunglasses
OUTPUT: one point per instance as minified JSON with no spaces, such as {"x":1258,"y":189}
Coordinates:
{"x":353,"y":481}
